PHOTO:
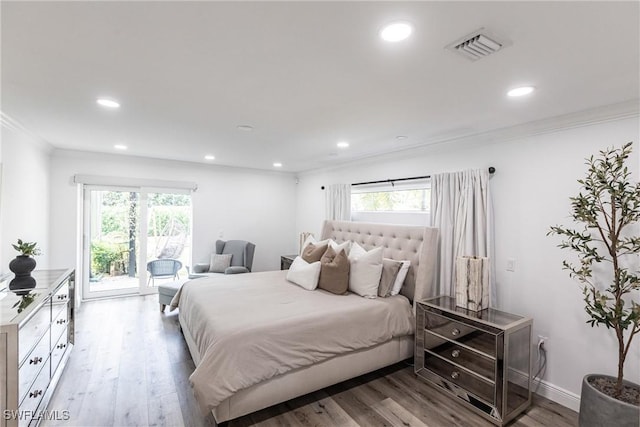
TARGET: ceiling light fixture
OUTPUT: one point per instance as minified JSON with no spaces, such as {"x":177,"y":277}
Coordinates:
{"x":277,"y":165}
{"x":246,"y":128}
{"x":521,"y":91}
{"x":343,"y":144}
{"x":401,"y":137}
{"x":120,"y":147}
{"x":209,"y":157}
{"x":396,"y":31}
{"x":109,"y":103}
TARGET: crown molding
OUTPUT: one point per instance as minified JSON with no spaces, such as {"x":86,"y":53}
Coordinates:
{"x":13,"y":125}
{"x":589,"y":117}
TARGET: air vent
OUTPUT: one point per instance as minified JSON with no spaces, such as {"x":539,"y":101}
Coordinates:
{"x":475,"y":46}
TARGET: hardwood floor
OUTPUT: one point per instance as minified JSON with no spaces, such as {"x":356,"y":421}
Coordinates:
{"x":130,"y":367}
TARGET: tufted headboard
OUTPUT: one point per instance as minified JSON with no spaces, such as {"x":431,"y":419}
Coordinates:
{"x":400,"y":242}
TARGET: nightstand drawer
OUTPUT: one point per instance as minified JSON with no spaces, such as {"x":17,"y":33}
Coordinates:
{"x":464,"y":356}
{"x":474,"y":384}
{"x":468,"y":335}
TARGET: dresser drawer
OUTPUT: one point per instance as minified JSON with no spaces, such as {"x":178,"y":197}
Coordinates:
{"x":480,"y":388}
{"x":59,"y":300}
{"x":475,"y":338}
{"x":33,"y":331}
{"x":31,"y":366}
{"x":57,"y":351}
{"x":59,"y":324}
{"x":470,"y":359}
{"x":35,"y":393}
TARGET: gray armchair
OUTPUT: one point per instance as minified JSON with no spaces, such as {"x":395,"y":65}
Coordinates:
{"x":241,"y":253}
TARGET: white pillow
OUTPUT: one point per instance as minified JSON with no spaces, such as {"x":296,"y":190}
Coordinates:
{"x":304,"y":274}
{"x":365,"y":271}
{"x":219,"y":262}
{"x":397,"y":285}
{"x":346,"y":246}
{"x":312,"y":240}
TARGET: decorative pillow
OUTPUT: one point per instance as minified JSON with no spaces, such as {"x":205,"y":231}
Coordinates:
{"x":390,"y":270}
{"x":219,"y":262}
{"x":397,"y":285}
{"x":313,"y":252}
{"x":304,"y":274}
{"x":365,"y":271}
{"x":345,"y":246}
{"x":310,"y":240}
{"x":334,"y":273}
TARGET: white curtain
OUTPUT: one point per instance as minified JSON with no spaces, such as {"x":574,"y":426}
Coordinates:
{"x":338,"y":202}
{"x":461,"y":210}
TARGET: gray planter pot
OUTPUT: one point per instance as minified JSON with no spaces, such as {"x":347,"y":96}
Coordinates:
{"x":599,"y":410}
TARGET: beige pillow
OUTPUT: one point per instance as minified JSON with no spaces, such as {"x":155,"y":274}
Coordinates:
{"x":334,"y":272}
{"x":219,"y":263}
{"x":313,"y":253}
{"x":390,"y":270}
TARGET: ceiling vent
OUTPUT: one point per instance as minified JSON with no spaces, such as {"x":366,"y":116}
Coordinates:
{"x":475,"y":46}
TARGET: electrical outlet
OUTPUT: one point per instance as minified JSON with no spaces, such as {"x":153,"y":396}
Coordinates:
{"x":542,"y":341}
{"x":511,"y":264}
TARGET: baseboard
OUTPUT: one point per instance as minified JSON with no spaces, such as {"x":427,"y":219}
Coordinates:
{"x":548,"y":390}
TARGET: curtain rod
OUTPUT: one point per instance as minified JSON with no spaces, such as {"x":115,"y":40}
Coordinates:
{"x":491,"y":170}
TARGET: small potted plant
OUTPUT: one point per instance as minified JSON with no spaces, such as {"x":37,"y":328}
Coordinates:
{"x":24,"y":263}
{"x":608,"y":208}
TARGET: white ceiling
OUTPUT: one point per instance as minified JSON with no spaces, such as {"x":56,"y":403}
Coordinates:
{"x":304,"y":74}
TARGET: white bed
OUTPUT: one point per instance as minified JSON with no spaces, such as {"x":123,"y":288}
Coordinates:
{"x":290,"y":364}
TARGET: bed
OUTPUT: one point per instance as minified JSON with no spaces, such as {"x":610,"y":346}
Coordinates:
{"x":258,"y":340}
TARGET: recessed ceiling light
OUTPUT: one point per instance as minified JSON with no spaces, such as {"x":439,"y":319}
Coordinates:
{"x":277,"y":165}
{"x":401,"y":137}
{"x":109,"y":103}
{"x":521,"y":91}
{"x":246,"y":128}
{"x":120,"y":147}
{"x":396,"y":31}
{"x":209,"y":157}
{"x":343,"y":144}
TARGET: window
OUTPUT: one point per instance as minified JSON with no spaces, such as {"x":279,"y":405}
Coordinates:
{"x":403,"y":202}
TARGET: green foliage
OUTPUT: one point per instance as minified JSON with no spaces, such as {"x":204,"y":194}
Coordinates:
{"x":606,"y":206}
{"x":26,"y":248}
{"x":103,"y":254}
{"x":394,"y":200}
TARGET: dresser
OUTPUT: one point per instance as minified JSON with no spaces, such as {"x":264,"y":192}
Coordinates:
{"x":482,"y":359}
{"x":36,"y":336}
{"x":286,"y":261}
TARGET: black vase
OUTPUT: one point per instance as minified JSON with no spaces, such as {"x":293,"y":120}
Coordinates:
{"x":21,"y":285}
{"x":22,"y":265}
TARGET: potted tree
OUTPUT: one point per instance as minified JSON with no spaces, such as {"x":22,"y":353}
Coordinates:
{"x":608,"y":208}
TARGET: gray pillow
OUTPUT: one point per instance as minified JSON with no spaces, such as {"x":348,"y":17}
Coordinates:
{"x":219,"y":263}
{"x":390,"y":270}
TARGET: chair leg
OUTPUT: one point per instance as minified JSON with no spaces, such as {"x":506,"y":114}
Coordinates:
{"x":162,"y":306}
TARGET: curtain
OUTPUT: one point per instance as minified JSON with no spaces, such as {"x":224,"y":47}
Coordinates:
{"x":338,"y":202}
{"x":461,"y":210}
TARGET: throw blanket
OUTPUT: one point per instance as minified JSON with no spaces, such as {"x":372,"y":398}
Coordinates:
{"x":252,"y":327}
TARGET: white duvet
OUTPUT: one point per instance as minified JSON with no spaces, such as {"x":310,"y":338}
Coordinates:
{"x":251,"y":327}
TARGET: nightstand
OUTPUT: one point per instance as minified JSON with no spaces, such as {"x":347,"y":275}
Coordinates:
{"x":481,"y":358}
{"x":286,"y":260}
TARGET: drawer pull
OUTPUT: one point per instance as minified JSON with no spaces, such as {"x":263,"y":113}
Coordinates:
{"x":61,"y":321}
{"x":455,"y":332}
{"x":62,"y":296}
{"x":35,"y":393}
{"x":61,"y":346}
{"x":35,"y":360}
{"x":455,"y":375}
{"x":455,"y":353}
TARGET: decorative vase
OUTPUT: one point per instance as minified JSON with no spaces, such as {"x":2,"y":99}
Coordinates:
{"x":472,"y":282}
{"x":600,"y":410}
{"x":22,"y":265}
{"x":21,"y":285}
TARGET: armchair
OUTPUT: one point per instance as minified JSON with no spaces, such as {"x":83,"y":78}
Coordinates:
{"x":241,"y":261}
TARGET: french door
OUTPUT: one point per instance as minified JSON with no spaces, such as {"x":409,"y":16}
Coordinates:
{"x":124,"y":229}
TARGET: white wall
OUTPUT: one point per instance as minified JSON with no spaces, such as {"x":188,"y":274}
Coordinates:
{"x":245,"y":204}
{"x":534,"y":179}
{"x":24,"y":208}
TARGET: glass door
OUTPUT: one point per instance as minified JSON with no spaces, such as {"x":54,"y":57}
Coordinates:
{"x":127,"y":230}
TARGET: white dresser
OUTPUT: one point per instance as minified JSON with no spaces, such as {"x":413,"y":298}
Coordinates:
{"x":36,"y":336}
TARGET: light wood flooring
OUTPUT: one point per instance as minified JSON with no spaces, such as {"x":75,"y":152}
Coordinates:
{"x":130,"y":367}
